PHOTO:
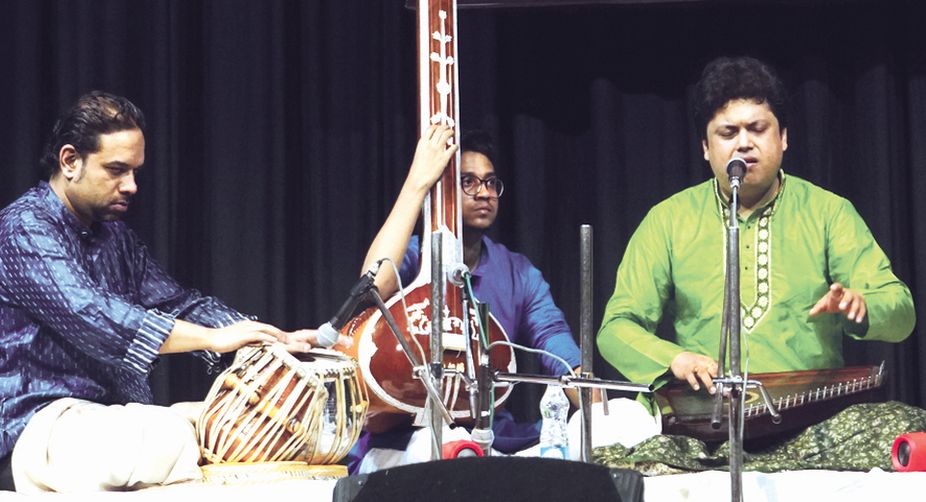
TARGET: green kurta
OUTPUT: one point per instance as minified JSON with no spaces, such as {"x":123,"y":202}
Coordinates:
{"x":790,"y":252}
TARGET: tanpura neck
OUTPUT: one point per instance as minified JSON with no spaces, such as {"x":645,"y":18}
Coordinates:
{"x":472,"y":249}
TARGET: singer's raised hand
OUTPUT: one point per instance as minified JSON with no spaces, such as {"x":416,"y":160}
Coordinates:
{"x":696,"y":369}
{"x":840,"y":299}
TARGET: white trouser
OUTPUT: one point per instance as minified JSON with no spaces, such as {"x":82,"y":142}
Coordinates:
{"x":73,"y":445}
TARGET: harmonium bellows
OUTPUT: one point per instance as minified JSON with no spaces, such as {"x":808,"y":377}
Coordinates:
{"x":802,"y":397}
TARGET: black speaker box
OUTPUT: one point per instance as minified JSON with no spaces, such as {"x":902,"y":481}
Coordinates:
{"x":511,"y":479}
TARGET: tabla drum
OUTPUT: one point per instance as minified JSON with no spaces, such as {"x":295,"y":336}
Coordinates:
{"x":272,"y":406}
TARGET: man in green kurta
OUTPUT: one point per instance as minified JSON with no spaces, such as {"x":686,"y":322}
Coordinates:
{"x":810,"y":270}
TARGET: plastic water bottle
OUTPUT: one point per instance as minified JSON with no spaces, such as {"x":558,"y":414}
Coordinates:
{"x":554,"y":406}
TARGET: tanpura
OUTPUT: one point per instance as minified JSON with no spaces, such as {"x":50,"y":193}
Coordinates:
{"x":396,"y":396}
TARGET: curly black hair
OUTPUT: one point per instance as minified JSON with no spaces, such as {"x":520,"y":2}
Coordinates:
{"x":94,"y":114}
{"x":478,"y":141}
{"x":728,"y":78}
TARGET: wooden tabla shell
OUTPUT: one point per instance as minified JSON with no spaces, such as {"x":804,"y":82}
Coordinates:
{"x":270,"y":406}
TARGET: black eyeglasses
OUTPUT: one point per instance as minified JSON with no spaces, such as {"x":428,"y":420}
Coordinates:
{"x":471,"y":184}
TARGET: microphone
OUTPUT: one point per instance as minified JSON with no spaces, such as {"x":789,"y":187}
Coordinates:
{"x":457,"y":274}
{"x":327,"y":334}
{"x":736,"y":169}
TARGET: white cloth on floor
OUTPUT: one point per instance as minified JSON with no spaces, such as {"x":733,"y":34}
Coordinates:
{"x":418,"y":450}
{"x":73,"y":445}
{"x":628,"y":422}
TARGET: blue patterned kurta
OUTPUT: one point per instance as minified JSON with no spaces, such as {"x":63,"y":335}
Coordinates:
{"x":83,"y":311}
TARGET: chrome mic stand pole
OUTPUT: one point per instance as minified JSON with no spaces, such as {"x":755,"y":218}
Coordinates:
{"x":437,"y":345}
{"x":735,"y":415}
{"x":730,"y":333}
{"x":478,"y":370}
{"x":482,"y":433}
{"x":586,"y":265}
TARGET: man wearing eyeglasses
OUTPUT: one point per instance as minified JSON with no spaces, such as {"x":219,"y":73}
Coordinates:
{"x":518,"y":295}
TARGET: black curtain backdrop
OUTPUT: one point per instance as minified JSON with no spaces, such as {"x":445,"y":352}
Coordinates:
{"x":280,"y":131}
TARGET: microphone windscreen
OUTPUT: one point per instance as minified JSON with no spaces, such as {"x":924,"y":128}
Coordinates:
{"x":326,"y":336}
{"x":736,"y":167}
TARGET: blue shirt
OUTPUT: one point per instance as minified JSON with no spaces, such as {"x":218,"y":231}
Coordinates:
{"x":518,"y":297}
{"x":520,"y":300}
{"x":83,"y":311}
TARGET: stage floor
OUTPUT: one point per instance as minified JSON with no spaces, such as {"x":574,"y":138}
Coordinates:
{"x":812,"y":486}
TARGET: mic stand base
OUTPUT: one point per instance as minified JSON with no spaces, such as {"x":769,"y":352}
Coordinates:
{"x":484,"y":438}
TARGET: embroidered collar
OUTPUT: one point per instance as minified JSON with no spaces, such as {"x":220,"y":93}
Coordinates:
{"x":723,"y":203}
{"x":751,"y":315}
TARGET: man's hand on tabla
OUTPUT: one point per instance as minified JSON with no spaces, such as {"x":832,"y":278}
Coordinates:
{"x":239,"y":334}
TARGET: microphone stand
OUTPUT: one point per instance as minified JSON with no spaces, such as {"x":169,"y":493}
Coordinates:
{"x":477,"y":367}
{"x":419,"y":368}
{"x":430,"y":373}
{"x":437,"y":344}
{"x":484,"y":389}
{"x":487,"y":378}
{"x":586,"y":342}
{"x":482,"y":433}
{"x":730,"y":334}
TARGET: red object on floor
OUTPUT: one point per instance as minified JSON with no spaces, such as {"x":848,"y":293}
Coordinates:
{"x":461,"y":448}
{"x":909,"y":452}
